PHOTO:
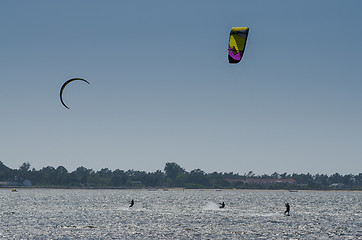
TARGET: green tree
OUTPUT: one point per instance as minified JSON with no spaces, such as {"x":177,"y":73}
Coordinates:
{"x":172,"y":170}
{"x":46,"y":176}
{"x":199,"y":177}
{"x":24,"y":167}
{"x":5,"y":172}
{"x":82,"y":174}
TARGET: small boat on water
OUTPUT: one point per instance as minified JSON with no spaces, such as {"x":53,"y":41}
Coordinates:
{"x":14,"y":190}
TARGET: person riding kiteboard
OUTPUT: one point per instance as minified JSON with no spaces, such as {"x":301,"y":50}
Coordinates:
{"x":286,"y":213}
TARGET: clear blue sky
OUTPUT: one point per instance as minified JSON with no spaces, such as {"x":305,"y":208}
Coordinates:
{"x":162,"y":89}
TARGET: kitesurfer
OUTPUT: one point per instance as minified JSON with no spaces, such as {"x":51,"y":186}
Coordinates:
{"x":222,"y":205}
{"x":286,"y":213}
{"x":132,"y":203}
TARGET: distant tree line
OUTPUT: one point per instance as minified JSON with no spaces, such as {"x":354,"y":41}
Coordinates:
{"x":173,"y":175}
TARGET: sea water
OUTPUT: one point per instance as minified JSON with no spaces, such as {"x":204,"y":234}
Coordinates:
{"x":189,"y":214}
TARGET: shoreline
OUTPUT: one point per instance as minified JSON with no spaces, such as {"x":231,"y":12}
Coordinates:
{"x":176,"y":189}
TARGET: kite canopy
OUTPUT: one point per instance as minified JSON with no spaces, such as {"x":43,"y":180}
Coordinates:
{"x":237,"y":42}
{"x":65,"y":84}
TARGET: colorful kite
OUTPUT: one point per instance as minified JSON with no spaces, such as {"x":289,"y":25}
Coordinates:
{"x":237,"y":42}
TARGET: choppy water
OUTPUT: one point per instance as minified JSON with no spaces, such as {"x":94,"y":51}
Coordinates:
{"x":104,"y":214}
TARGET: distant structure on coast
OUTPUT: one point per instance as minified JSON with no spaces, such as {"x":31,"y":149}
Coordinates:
{"x":16,"y":182}
{"x":263,"y":181}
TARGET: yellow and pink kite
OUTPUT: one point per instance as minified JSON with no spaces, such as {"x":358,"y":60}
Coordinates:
{"x":237,"y":42}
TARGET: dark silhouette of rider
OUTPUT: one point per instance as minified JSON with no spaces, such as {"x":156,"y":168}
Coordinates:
{"x":222,"y":205}
{"x":132,"y":203}
{"x":287,"y":210}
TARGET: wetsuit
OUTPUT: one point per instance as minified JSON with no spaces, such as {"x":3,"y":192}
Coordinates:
{"x":287,"y":210}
